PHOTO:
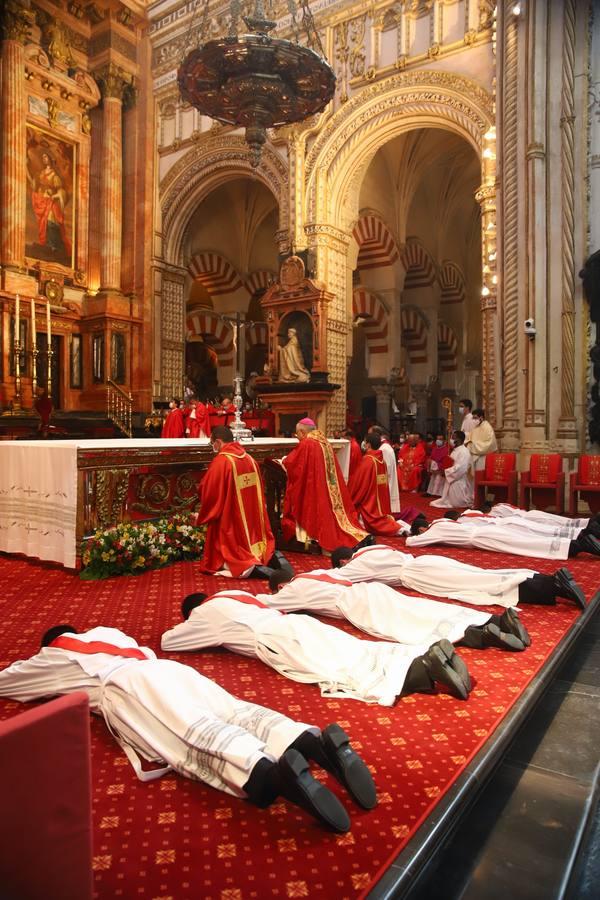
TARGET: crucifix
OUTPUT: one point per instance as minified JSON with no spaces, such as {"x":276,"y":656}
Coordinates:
{"x":238,"y":427}
{"x":237,"y":323}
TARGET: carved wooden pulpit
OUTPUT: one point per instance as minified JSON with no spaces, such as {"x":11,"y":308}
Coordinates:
{"x":296,"y":376}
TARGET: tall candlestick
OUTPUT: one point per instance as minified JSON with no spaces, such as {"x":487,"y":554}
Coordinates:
{"x":17,"y":311}
{"x":48,"y":324}
{"x":33,"y":334}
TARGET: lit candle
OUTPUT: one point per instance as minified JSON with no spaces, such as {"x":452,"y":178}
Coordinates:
{"x":17,"y":311}
{"x":48,"y":323}
{"x":33,"y":334}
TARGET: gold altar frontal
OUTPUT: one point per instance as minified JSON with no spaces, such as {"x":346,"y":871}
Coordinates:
{"x":54,"y":494}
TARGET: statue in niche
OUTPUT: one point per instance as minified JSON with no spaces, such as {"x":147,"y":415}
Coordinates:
{"x":291,"y":360}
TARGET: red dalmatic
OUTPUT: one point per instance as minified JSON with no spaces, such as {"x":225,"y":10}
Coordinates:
{"x":232,"y":504}
{"x":410,"y":466}
{"x":174,"y":426}
{"x":355,"y":457}
{"x":317,"y":497}
{"x":371,"y":495}
{"x":199,"y":425}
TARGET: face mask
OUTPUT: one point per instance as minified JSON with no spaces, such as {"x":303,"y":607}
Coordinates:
{"x":363,"y":446}
{"x":477,"y":421}
{"x":461,"y":409}
{"x":439,"y":443}
{"x":452,"y":442}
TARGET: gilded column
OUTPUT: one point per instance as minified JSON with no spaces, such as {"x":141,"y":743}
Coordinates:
{"x":490,"y":362}
{"x":16,"y":21}
{"x":113,"y":82}
{"x":567,"y":427}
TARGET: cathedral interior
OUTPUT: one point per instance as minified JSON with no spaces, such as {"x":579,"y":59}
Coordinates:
{"x":443,"y":205}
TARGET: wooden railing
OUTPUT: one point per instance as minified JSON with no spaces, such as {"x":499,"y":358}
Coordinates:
{"x":119,"y":406}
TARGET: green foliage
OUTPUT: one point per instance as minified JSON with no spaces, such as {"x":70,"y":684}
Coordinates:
{"x":133,"y":548}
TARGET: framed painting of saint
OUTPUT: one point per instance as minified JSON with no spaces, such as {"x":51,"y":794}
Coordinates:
{"x":50,"y":216}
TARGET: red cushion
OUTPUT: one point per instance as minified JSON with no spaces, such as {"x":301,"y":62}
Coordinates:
{"x":589,"y":470}
{"x":544,"y":468}
{"x":498,"y":466}
{"x":46,"y":823}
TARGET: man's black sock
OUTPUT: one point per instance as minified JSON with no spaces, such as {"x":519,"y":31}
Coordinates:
{"x":540,"y":590}
{"x":263,"y":785}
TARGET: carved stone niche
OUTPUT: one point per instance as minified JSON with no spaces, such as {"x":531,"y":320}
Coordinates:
{"x":296,"y":374}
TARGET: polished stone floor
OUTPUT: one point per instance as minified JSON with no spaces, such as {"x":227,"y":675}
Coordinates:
{"x":521,"y":836}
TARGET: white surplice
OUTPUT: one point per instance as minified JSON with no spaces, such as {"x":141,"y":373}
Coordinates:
{"x":503,"y":510}
{"x":458,"y":488}
{"x":437,"y":575}
{"x":497,"y":537}
{"x":535,"y":526}
{"x":297,"y":646}
{"x":375,"y":608}
{"x":389,"y":458}
{"x":160,"y":710}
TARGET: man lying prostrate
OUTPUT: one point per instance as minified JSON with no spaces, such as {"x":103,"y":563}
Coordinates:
{"x":501,"y":538}
{"x":171,"y":715}
{"x":502,"y":510}
{"x":383,"y":612}
{"x":570,"y":531}
{"x":445,"y":577}
{"x":303,"y":649}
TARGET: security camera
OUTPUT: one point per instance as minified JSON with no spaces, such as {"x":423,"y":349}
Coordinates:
{"x":530,"y":329}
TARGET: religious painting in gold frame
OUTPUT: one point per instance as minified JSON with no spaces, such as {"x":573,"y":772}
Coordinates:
{"x":51,"y":193}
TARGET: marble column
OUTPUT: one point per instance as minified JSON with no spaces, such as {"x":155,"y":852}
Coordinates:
{"x":15,"y":25}
{"x":113,"y":82}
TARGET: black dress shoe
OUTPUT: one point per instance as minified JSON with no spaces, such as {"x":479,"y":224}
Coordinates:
{"x":592,"y":528}
{"x":566,"y":586}
{"x":298,"y":786}
{"x":347,"y":766}
{"x":367,"y":541}
{"x":278,"y":561}
{"x":587,"y":543}
{"x":440,"y":661}
{"x":511,"y":624}
{"x":261,"y":572}
{"x":481,"y":637}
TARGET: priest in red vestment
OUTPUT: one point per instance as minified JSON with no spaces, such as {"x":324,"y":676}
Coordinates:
{"x":317,"y":503}
{"x":370,"y":492}
{"x":232,"y":504}
{"x":411,"y":463}
{"x":355,"y":452}
{"x":174,"y":426}
{"x":197,"y":420}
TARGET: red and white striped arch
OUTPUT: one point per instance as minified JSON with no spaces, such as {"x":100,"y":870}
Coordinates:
{"x":214,"y":331}
{"x":376,"y":243}
{"x":217,"y":275}
{"x":256,"y":334}
{"x":447,"y":348}
{"x":368,"y":305}
{"x":414,"y":334}
{"x":419,"y":265}
{"x":259,"y":281}
{"x":452,"y":283}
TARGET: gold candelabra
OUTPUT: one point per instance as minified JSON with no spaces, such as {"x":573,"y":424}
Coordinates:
{"x":20,"y":348}
{"x":447,"y":404}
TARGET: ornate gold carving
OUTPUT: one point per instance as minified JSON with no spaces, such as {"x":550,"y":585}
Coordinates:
{"x":55,"y":40}
{"x":152,"y":492}
{"x":16,"y":22}
{"x":52,"y":111}
{"x":111,"y":490}
{"x":434,"y":51}
{"x":114,"y":81}
{"x":86,"y":123}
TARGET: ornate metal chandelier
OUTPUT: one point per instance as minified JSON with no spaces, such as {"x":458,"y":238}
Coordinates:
{"x":255,"y":80}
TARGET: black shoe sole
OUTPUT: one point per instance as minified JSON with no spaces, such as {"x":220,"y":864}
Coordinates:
{"x":301,"y":788}
{"x":567,"y":587}
{"x":501,"y":640}
{"x":512,"y":624}
{"x":348,"y":767}
{"x":445,"y":666}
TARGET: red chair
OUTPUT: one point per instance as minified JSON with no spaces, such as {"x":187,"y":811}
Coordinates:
{"x":500,"y":474}
{"x":546,"y":480}
{"x":585,"y":482}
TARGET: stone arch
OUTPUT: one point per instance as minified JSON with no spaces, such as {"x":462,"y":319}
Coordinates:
{"x":377,"y":246}
{"x":447,"y":349}
{"x":420,"y":267}
{"x":414,"y":334}
{"x":256,"y":334}
{"x":215,"y":273}
{"x":216,"y":333}
{"x":203,"y":169}
{"x":342,"y":152}
{"x":452,"y":283}
{"x":259,"y":281}
{"x":367,"y":306}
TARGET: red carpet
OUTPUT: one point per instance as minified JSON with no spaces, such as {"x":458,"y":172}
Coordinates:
{"x":178,"y":839}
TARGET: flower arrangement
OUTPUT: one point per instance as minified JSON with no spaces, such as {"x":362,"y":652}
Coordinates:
{"x":133,"y":548}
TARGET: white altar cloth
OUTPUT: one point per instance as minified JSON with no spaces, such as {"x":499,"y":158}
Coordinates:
{"x":38,"y":489}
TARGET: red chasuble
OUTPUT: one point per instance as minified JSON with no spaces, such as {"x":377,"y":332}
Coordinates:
{"x":371,"y":495}
{"x":232,"y":504}
{"x":355,"y":456}
{"x":410,"y":466}
{"x":317,"y":497}
{"x":199,"y":426}
{"x":174,"y":426}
